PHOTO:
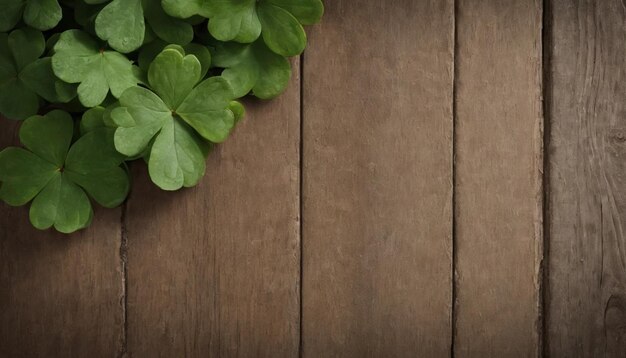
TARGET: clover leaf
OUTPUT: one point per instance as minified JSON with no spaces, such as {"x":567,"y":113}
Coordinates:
{"x":59,"y":177}
{"x":122,"y":23}
{"x":168,"y":110}
{"x":24,"y":77}
{"x":150,"y":51}
{"x":175,"y":117}
{"x":279,"y":22}
{"x":96,"y":118}
{"x":79,"y":59}
{"x":184,"y":9}
{"x":238,"y":110}
{"x":39,"y":14}
{"x":252,"y":67}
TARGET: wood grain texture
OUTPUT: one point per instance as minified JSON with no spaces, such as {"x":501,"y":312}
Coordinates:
{"x":587,"y":179}
{"x":214,"y":271}
{"x":60,"y":296}
{"x":498,"y":176}
{"x":377,"y":180}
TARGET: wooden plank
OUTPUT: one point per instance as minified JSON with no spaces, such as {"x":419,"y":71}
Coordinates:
{"x":215,"y":271}
{"x":498,"y":178}
{"x":377,"y":180}
{"x":59,"y":295}
{"x":587,"y":199}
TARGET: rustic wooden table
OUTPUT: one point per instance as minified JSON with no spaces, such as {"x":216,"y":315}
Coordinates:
{"x":390,"y":204}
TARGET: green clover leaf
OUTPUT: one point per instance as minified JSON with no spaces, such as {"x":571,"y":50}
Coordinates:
{"x":24,"y":77}
{"x":252,"y":67}
{"x":58,"y":176}
{"x":150,"y":51}
{"x":238,"y":110}
{"x":165,"y":27}
{"x":96,"y":118}
{"x":184,"y":9}
{"x":174,"y":117}
{"x":167,"y":110}
{"x":79,"y":59}
{"x":39,"y":14}
{"x":122,"y":23}
{"x":279,"y":22}
{"x":234,"y":20}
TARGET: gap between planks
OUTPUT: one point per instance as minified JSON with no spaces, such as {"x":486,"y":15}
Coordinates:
{"x":123,"y":252}
{"x":546,"y":42}
{"x":301,"y":206}
{"x":453,"y":273}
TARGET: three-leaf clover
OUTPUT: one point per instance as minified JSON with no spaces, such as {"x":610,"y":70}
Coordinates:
{"x":121,"y":23}
{"x":24,"y":77}
{"x":252,"y":67}
{"x":175,"y":118}
{"x":168,"y":110}
{"x":58,"y":176}
{"x":279,"y":22}
{"x":79,"y":59}
{"x":39,"y":14}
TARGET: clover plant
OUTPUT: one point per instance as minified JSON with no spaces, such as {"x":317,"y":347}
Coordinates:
{"x":99,"y":83}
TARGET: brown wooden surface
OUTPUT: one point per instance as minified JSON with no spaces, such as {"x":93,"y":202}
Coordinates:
{"x":586,"y":302}
{"x":325,"y":228}
{"x":498,"y":177}
{"x":60,"y":296}
{"x":377,"y":180}
{"x":215,"y":270}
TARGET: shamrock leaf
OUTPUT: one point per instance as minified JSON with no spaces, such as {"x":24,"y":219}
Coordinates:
{"x":167,"y":28}
{"x":184,"y":9}
{"x":279,"y":22}
{"x":252,"y":67}
{"x":58,"y":176}
{"x":24,"y":77}
{"x":79,"y":59}
{"x":151,"y":50}
{"x":238,"y":110}
{"x":40,"y":14}
{"x":97,"y":117}
{"x":174,"y":117}
{"x":121,"y":23}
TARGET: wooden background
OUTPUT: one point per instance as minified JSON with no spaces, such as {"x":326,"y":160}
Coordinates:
{"x":442,"y":178}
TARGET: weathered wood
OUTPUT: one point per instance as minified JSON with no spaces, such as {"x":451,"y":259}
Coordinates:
{"x":60,"y":296}
{"x":587,"y":169}
{"x":377,"y":180}
{"x":498,"y":178}
{"x":214,"y":271}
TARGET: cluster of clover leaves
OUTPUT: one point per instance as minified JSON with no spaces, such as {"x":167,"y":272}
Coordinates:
{"x":98,"y":83}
